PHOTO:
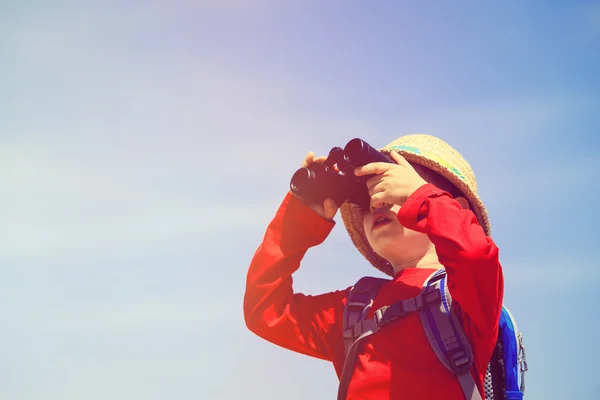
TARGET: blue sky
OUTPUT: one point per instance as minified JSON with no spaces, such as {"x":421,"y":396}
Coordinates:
{"x":145,"y":147}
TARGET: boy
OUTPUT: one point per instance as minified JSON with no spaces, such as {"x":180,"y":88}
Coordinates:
{"x":424,"y":215}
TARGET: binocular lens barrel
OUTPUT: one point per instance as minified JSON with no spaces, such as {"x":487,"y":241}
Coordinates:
{"x":359,"y":153}
{"x":355,"y":147}
{"x":312,"y":183}
{"x":301,"y":181}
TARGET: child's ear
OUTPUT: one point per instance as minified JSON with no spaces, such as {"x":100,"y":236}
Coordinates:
{"x":464,"y":203}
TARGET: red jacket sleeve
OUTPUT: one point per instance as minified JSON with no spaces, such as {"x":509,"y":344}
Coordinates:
{"x":470,"y":257}
{"x":302,"y":323}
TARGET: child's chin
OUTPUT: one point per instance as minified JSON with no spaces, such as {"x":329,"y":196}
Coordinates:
{"x":387,"y":245}
{"x":408,"y":242}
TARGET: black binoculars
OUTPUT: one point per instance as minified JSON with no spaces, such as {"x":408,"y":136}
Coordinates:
{"x":316,"y":182}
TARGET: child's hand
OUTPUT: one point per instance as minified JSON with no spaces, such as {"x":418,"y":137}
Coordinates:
{"x":391,"y":183}
{"x":329,"y":208}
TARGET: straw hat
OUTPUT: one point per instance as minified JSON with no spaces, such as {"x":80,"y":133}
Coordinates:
{"x":436,"y":155}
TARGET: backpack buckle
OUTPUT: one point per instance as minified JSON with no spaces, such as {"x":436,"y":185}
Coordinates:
{"x":386,"y":315}
{"x":378,"y":316}
{"x":357,"y":304}
{"x":460,"y":360}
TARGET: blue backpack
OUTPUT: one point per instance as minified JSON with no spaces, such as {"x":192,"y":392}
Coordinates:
{"x":445,"y":334}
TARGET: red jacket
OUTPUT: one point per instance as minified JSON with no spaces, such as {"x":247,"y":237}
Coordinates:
{"x":397,"y":362}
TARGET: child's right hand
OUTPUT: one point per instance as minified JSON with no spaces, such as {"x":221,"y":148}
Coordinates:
{"x":329,"y":208}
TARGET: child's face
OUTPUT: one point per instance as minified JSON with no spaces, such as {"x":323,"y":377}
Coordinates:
{"x":390,"y":239}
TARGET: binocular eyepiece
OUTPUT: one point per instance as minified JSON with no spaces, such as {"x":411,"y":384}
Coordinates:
{"x":316,"y":182}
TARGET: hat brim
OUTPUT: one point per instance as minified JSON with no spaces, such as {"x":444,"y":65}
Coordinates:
{"x":353,"y":215}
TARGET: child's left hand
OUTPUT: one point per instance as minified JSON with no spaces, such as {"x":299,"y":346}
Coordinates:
{"x":391,"y":183}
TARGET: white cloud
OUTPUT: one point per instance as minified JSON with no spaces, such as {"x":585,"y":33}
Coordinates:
{"x":50,"y":209}
{"x":158,"y":313}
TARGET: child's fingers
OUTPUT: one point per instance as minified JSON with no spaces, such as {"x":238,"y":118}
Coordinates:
{"x":398,"y":158}
{"x":377,"y":200}
{"x":308,"y":159}
{"x":373,"y":168}
{"x":375,"y":188}
{"x":329,"y":208}
{"x":373,"y":181}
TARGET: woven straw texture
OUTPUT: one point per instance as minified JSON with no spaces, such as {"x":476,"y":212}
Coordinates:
{"x":435,"y":154}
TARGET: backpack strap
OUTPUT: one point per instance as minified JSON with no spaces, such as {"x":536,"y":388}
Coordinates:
{"x":446,"y":335}
{"x":356,"y":327}
{"x":443,"y":330}
{"x":358,"y":304}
